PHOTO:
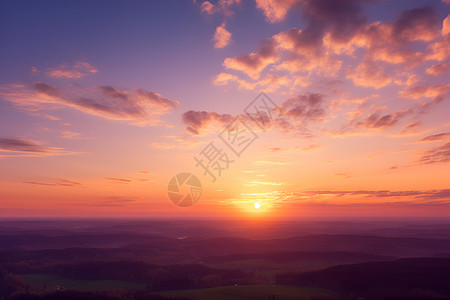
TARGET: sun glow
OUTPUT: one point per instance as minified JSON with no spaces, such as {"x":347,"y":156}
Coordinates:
{"x":257,"y":205}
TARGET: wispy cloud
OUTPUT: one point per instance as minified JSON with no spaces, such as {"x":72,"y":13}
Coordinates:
{"x":17,"y":147}
{"x":438,"y":154}
{"x":434,"y":137}
{"x":78,"y":70}
{"x":137,"y":106}
{"x":118,"y":180}
{"x":59,"y":182}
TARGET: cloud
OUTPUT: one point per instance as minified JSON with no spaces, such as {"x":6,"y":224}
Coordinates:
{"x":439,"y":50}
{"x":15,"y":147}
{"x":436,"y":155}
{"x":304,"y":107}
{"x":198,"y":120}
{"x":224,"y":7}
{"x":116,"y":201}
{"x":410,"y":128}
{"x":434,"y":137}
{"x":78,"y":70}
{"x":341,"y":18}
{"x":334,"y":31}
{"x":369,"y":74}
{"x":275,"y":10}
{"x":118,"y":180}
{"x":138,"y":106}
{"x":377,"y":121}
{"x":71,"y":135}
{"x":438,"y":92}
{"x":252,"y":64}
{"x":297,"y":113}
{"x":309,"y":148}
{"x":59,"y":182}
{"x":222,"y":37}
{"x":438,"y":69}
{"x":446,"y":25}
{"x":207,"y":8}
{"x":417,"y":24}
{"x":420,"y":194}
{"x":427,"y":91}
{"x":270,"y":83}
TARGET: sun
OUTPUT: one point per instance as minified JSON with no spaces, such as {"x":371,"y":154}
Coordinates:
{"x":257,"y":205}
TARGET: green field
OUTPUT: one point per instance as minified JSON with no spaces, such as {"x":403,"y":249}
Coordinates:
{"x":52,"y":281}
{"x":254,"y":292}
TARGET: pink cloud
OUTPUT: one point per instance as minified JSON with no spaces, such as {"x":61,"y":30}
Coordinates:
{"x":377,"y":121}
{"x":438,"y":154}
{"x":446,"y":25}
{"x":434,"y":137}
{"x":207,"y":8}
{"x":17,"y":147}
{"x":369,"y":74}
{"x":428,"y":91}
{"x":222,"y":37}
{"x":198,"y":120}
{"x":135,"y":105}
{"x":438,"y":69}
{"x":252,"y":64}
{"x":439,"y":50}
{"x":78,"y":70}
{"x":270,"y":83}
{"x":275,"y":10}
{"x":222,"y":6}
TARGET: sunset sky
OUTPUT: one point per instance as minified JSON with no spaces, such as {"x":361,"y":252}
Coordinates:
{"x":103,"y":102}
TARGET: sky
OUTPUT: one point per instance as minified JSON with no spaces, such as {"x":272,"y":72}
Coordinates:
{"x":280,"y":108}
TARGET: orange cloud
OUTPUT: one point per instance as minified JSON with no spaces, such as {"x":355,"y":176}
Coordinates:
{"x":434,"y":137}
{"x":222,"y":37}
{"x":440,"y":50}
{"x":339,"y":27}
{"x":70,"y":135}
{"x":59,"y":182}
{"x":446,"y":25}
{"x":252,"y":64}
{"x":207,"y":8}
{"x":269,"y":84}
{"x":222,"y":6}
{"x":428,"y":91}
{"x":410,"y":128}
{"x":438,"y":154}
{"x":438,"y":69}
{"x":275,"y":10}
{"x":417,"y":24}
{"x":369,"y":74}
{"x":78,"y":70}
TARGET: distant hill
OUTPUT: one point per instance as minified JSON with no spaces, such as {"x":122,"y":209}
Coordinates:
{"x":409,"y":278}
